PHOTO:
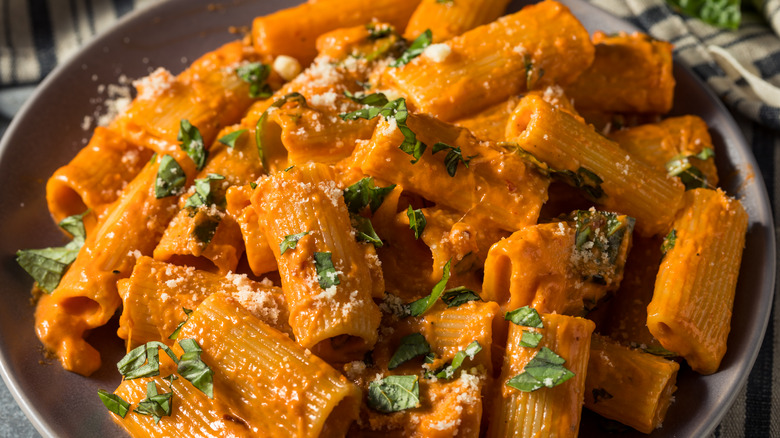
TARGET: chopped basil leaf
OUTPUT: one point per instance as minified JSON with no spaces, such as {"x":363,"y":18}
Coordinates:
{"x":287,"y":169}
{"x":657,"y":350}
{"x":471,"y":350}
{"x":192,"y":143}
{"x":397,"y":109}
{"x":365,"y":193}
{"x":375,"y":33}
{"x":669,"y":241}
{"x":394,"y":393}
{"x":530,"y":339}
{"x":175,"y":334}
{"x":691,"y":176}
{"x":364,"y":230}
{"x":192,"y":368}
{"x":229,"y":140}
{"x":525,"y":316}
{"x":460,"y":295}
{"x":424,"y":304}
{"x":259,"y":127}
{"x":417,"y":221}
{"x":170,"y":178}
{"x":155,"y":405}
{"x":47,"y":266}
{"x":134,"y":364}
{"x":373,"y":99}
{"x":253,"y":185}
{"x":600,"y":394}
{"x":205,"y":229}
{"x":256,"y":75}
{"x":583,"y":179}
{"x":415,"y":49}
{"x":453,"y":157}
{"x":203,"y":194}
{"x":326,"y":272}
{"x":114,"y":403}
{"x":411,"y":346}
{"x":726,"y":14}
{"x":290,"y":242}
{"x":600,"y":233}
{"x":545,"y":369}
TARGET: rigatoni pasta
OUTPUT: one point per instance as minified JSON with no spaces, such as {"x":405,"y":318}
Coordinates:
{"x":302,"y":243}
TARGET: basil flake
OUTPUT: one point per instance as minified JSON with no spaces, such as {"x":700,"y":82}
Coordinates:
{"x":396,"y":109}
{"x":260,"y":126}
{"x":192,"y":143}
{"x":471,"y":350}
{"x":155,"y":405}
{"x":170,"y":178}
{"x":691,"y":176}
{"x":415,"y":49}
{"x":203,"y":194}
{"x":669,"y":241}
{"x":290,"y":242}
{"x":205,"y":229}
{"x":530,"y":339}
{"x":460,"y":295}
{"x":394,"y":393}
{"x":525,"y":316}
{"x":453,"y":157}
{"x":424,"y":304}
{"x":144,"y":360}
{"x":114,"y":403}
{"x":229,"y":140}
{"x":256,"y":74}
{"x":375,"y":33}
{"x":411,"y":346}
{"x":364,"y":230}
{"x":417,"y":221}
{"x":373,"y":99}
{"x":192,"y":367}
{"x":365,"y":193}
{"x":326,"y":272}
{"x":47,"y":266}
{"x":545,"y":369}
{"x":175,"y":334}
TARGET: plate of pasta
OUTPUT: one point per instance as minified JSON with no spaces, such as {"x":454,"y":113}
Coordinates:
{"x":385,"y":218}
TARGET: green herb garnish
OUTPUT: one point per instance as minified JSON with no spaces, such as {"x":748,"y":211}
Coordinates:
{"x":203,"y":195}
{"x":530,"y":339}
{"x":114,"y":403}
{"x":525,"y":316}
{"x":229,"y":140}
{"x":259,"y":127}
{"x":364,"y":230}
{"x":47,"y":266}
{"x":290,"y":242}
{"x":417,"y":221}
{"x":471,"y":350}
{"x":459,"y":295}
{"x":394,"y":393}
{"x":669,"y":241}
{"x":545,"y":369}
{"x":170,"y":178}
{"x":411,"y":346}
{"x":453,"y":157}
{"x":373,"y":99}
{"x":256,"y":74}
{"x":424,"y":304}
{"x":691,"y":176}
{"x":326,"y":272}
{"x":155,"y":405}
{"x":144,"y":360}
{"x":192,"y":367}
{"x":365,"y":193}
{"x":415,"y":49}
{"x":192,"y":143}
{"x":175,"y":334}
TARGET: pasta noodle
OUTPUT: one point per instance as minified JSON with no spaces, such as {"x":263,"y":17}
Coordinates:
{"x":396,"y":218}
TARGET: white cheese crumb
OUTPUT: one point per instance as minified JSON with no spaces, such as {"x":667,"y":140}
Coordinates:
{"x":287,"y":67}
{"x":437,"y":52}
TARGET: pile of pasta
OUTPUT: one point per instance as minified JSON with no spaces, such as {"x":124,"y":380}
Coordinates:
{"x":397,"y":218}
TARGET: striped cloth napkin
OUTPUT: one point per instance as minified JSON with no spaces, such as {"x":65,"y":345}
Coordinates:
{"x":742,"y":67}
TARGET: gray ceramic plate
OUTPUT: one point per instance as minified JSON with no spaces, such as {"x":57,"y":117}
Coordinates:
{"x":47,"y":134}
